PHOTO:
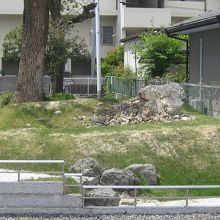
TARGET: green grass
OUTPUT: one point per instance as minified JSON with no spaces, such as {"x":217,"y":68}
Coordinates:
{"x":184,"y":153}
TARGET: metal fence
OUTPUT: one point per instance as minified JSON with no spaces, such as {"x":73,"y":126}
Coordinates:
{"x":124,"y":87}
{"x":84,"y":188}
{"x":18,"y":166}
{"x":83,"y":86}
{"x":8,"y":84}
{"x":204,"y":98}
{"x":135,"y":189}
{"x":19,"y":163}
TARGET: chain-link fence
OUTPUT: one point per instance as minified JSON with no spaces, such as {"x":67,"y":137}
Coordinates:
{"x":124,"y":87}
{"x":205,"y":99}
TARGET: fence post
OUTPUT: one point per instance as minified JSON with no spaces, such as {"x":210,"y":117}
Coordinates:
{"x":135,"y":197}
{"x":19,"y":173}
{"x":88,"y":86}
{"x":83,"y":200}
{"x":63,"y":179}
{"x":187,"y":197}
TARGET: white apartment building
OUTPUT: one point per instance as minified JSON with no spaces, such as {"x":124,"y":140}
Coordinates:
{"x":119,"y":19}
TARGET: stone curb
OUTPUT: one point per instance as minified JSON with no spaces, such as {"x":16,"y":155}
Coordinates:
{"x":107,"y":211}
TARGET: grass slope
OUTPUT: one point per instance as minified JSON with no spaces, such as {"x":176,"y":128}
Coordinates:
{"x":183,"y":152}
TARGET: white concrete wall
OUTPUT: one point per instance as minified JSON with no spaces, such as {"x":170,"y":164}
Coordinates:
{"x":185,"y":8}
{"x":108,"y":21}
{"x":7,"y":23}
{"x":213,"y":4}
{"x":84,"y":31}
{"x":146,"y":17}
{"x":11,"y":7}
{"x":129,"y":57}
{"x":108,"y":7}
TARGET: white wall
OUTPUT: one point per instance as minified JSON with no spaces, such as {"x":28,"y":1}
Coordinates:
{"x":7,"y":23}
{"x":185,"y":8}
{"x":108,"y":7}
{"x":213,"y":4}
{"x":146,"y":17}
{"x":129,"y":57}
{"x":84,"y":31}
{"x":11,"y":7}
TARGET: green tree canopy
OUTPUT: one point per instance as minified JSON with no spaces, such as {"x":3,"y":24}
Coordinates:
{"x":157,"y":51}
{"x":58,"y":49}
{"x":113,"y":59}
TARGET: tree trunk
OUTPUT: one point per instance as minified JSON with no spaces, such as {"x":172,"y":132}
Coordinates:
{"x":55,"y":11}
{"x":29,"y":84}
{"x":57,"y":81}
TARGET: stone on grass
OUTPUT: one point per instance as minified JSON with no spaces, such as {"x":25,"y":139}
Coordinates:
{"x":145,"y":171}
{"x":166,"y":98}
{"x":90,"y":170}
{"x":98,"y":194}
{"x":118,"y":177}
{"x":58,"y":112}
{"x":154,"y":103}
{"x":87,"y":180}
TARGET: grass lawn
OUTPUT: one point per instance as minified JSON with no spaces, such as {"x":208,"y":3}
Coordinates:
{"x":186,"y":152}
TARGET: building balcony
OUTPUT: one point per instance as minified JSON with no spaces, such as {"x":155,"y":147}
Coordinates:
{"x":108,"y":8}
{"x":185,"y":8}
{"x":145,"y":17}
{"x":11,"y":7}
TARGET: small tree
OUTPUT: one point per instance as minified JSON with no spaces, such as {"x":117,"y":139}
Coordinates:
{"x":113,"y":59}
{"x":12,"y":45}
{"x":58,"y":50}
{"x":157,"y":52}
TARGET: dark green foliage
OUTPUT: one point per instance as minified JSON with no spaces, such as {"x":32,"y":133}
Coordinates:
{"x":179,"y":76}
{"x":5,"y":98}
{"x":113,"y":59}
{"x":59,"y":97}
{"x":12,"y":45}
{"x":58,"y":49}
{"x":157,"y":52}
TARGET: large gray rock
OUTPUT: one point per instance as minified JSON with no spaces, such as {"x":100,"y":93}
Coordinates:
{"x":98,"y":200}
{"x":90,"y":170}
{"x":146,"y":171}
{"x":118,"y":177}
{"x":165,"y":98}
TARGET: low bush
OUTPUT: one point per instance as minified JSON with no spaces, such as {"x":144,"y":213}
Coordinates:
{"x":5,"y":98}
{"x":113,"y":59}
{"x":59,"y":97}
{"x":179,"y":76}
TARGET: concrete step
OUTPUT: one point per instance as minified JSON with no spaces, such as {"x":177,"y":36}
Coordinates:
{"x":44,"y":188}
{"x":40,"y":201}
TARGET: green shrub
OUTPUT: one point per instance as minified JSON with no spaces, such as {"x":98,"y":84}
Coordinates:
{"x":113,"y":59}
{"x":59,"y":97}
{"x":5,"y":98}
{"x":179,"y":76}
{"x":120,"y":71}
{"x":157,"y":51}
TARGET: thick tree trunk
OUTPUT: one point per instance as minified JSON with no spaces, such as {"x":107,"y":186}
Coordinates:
{"x":29,"y":85}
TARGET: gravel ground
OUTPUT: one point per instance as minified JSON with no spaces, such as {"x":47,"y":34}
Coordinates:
{"x":124,"y":217}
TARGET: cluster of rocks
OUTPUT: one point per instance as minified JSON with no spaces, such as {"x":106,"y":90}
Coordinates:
{"x":93,"y":174}
{"x":154,"y":103}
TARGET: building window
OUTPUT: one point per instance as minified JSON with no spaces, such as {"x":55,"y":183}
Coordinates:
{"x":107,"y":33}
